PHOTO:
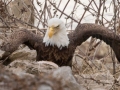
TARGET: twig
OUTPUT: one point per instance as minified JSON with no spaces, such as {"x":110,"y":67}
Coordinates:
{"x":62,"y":12}
{"x":86,"y":9}
{"x":64,"y":8}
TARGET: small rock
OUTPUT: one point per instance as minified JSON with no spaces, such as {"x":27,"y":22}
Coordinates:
{"x":64,"y":74}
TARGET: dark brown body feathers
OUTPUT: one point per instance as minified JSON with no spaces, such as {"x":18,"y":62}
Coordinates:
{"x":64,"y":56}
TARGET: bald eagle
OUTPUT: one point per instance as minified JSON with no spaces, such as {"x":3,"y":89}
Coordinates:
{"x":57,"y":45}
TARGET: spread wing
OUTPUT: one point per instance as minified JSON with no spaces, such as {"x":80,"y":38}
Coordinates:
{"x":21,"y":37}
{"x":84,"y":31}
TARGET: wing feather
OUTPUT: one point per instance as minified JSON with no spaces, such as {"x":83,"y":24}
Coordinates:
{"x":21,"y":37}
{"x":84,"y":31}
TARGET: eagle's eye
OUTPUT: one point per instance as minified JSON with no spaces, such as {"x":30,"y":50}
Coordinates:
{"x":57,"y":26}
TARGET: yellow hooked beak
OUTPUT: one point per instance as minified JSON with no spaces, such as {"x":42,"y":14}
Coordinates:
{"x":51,"y":32}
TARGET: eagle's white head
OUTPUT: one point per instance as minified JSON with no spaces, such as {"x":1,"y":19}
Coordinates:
{"x":56,"y":34}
